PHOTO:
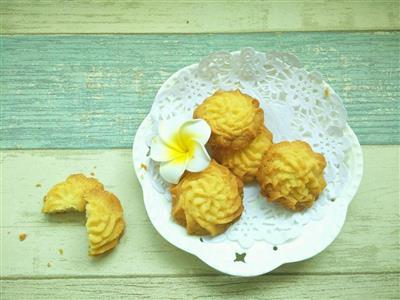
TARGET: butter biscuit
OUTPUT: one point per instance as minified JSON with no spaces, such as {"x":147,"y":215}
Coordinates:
{"x":244,"y":163}
{"x":235,"y":118}
{"x":68,"y":195}
{"x":207,"y":202}
{"x":105,"y":223}
{"x":291,"y":174}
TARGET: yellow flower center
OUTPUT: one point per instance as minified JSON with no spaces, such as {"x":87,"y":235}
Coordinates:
{"x":182,"y":146}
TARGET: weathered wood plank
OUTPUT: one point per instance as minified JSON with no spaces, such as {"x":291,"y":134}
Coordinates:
{"x":368,"y":242}
{"x":93,"y":91}
{"x":43,"y":16}
{"x":366,"y":286}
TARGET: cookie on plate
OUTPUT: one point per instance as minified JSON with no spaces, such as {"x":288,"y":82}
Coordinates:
{"x":105,"y":223}
{"x":207,"y":202}
{"x":235,"y":118}
{"x":68,"y":195}
{"x":245,"y":162}
{"x":291,"y":174}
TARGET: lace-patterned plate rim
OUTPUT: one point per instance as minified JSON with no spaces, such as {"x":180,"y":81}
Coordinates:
{"x":283,"y":57}
{"x":174,"y":97}
{"x":262,"y":257}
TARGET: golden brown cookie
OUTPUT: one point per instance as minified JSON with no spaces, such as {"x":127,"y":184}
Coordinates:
{"x":291,"y":173}
{"x":105,"y":223}
{"x":102,"y":249}
{"x":244,"y":162}
{"x":68,"y":195}
{"x":207,"y":202}
{"x":235,"y":118}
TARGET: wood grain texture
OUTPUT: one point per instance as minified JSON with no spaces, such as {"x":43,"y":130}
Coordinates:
{"x":43,"y":16}
{"x":367,"y":286}
{"x":93,"y":91}
{"x":367,"y":244}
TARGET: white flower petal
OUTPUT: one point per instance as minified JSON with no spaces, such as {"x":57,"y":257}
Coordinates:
{"x":200,"y":159}
{"x":172,"y":171}
{"x":159,"y":151}
{"x":198,"y":129}
{"x":168,"y":128}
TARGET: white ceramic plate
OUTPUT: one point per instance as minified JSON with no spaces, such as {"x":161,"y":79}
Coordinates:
{"x":251,"y":246}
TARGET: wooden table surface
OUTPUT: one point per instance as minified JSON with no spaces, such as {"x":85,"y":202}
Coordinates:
{"x":78,"y":77}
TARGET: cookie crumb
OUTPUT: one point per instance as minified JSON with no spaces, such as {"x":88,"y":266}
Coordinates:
{"x":22,"y":236}
{"x":326,"y":92}
{"x":92,"y":174}
{"x":143,"y":166}
{"x":61,"y":251}
{"x":48,"y":265}
{"x":38,"y":185}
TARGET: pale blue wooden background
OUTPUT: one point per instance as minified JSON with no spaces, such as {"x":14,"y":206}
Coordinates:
{"x":93,"y":91}
{"x":66,"y":84}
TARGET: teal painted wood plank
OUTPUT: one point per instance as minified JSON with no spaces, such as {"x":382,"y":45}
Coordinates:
{"x":92,"y":91}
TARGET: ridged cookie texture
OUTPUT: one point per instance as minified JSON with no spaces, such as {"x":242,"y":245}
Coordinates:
{"x":244,"y":163}
{"x":68,"y":195}
{"x":208,"y":202}
{"x":291,"y":174}
{"x":105,"y":223}
{"x":235,"y":118}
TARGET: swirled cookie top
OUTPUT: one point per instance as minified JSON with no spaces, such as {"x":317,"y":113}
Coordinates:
{"x":232,"y":116}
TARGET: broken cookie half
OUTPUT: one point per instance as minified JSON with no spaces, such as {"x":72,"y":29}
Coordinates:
{"x":68,"y":195}
{"x":105,"y":223}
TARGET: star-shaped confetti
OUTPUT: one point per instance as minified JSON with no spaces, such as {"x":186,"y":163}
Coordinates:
{"x":240,"y":257}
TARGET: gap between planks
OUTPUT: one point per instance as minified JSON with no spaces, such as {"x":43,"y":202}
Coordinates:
{"x":191,"y":275}
{"x":66,"y":34}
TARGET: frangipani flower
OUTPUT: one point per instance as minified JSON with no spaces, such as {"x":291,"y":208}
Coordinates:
{"x":180,"y":146}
